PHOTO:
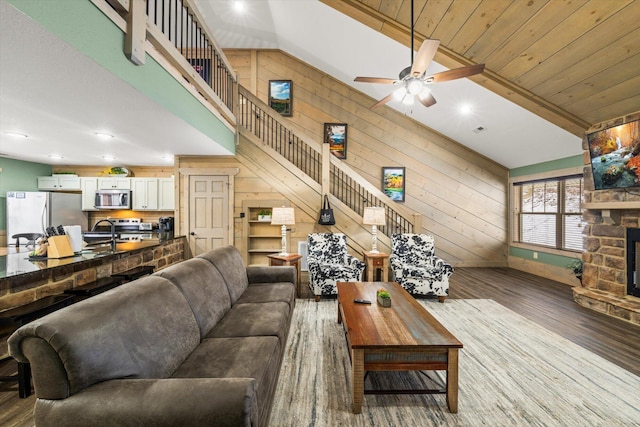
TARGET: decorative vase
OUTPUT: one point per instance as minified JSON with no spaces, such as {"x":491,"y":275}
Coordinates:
{"x":264,"y":218}
{"x":385,"y":302}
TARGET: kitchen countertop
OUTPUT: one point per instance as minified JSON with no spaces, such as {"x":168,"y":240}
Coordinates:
{"x":16,"y":262}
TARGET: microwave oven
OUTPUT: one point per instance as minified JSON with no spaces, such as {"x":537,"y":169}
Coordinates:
{"x":113,"y":199}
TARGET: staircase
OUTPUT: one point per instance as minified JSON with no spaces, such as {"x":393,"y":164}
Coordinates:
{"x":303,"y":170}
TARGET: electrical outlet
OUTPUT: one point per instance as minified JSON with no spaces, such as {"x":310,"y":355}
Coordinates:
{"x":535,"y":255}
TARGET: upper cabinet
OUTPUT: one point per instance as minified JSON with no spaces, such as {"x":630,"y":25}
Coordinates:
{"x":114,"y":183}
{"x":89,"y":186}
{"x":145,"y":193}
{"x":59,"y":182}
{"x":166,"y":194}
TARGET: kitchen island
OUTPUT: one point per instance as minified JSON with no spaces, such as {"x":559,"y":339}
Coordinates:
{"x":23,"y":280}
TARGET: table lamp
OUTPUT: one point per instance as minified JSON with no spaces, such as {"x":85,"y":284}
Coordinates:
{"x":283,"y":216}
{"x":374,"y":216}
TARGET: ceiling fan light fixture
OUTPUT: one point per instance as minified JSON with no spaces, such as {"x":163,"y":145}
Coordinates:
{"x":414,"y":86}
{"x":408,"y":99}
{"x":399,"y":93}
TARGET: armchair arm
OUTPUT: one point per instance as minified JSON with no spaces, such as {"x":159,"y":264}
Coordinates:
{"x":441,"y":264}
{"x":157,"y":402}
{"x":354,"y":262}
{"x":264,"y":274}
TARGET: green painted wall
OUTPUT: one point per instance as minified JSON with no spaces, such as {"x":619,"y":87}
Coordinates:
{"x":83,"y":26}
{"x":545,"y":258}
{"x":567,"y":162}
{"x":17,"y":175}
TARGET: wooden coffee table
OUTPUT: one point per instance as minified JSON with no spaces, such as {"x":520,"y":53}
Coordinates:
{"x":403,"y":337}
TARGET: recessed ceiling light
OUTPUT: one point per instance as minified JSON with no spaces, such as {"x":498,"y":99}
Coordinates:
{"x":16,"y":134}
{"x":109,"y":157}
{"x":55,"y":157}
{"x":465,"y":109}
{"x":103,"y":135}
{"x":239,"y":6}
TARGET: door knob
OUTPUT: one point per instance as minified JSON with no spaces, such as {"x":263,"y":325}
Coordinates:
{"x":192,"y":233}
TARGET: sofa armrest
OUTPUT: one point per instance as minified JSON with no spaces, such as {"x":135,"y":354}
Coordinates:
{"x":156,"y":402}
{"x":354,"y":262}
{"x":264,"y":274}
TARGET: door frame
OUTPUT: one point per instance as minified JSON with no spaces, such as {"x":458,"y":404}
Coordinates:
{"x":183,"y":193}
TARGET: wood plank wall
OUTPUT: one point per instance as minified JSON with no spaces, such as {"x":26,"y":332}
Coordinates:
{"x":461,"y":194}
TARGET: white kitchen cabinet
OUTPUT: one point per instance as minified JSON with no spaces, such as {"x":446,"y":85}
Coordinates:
{"x":166,"y":194}
{"x":114,"y":183}
{"x":145,"y":194}
{"x":89,"y":185}
{"x":59,"y":182}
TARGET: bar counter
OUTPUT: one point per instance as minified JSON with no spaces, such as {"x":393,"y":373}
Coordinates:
{"x":23,"y":280}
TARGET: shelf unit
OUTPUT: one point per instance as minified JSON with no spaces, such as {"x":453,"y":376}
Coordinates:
{"x":262,"y":238}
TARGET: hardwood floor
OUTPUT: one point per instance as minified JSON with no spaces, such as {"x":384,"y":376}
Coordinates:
{"x":548,"y":303}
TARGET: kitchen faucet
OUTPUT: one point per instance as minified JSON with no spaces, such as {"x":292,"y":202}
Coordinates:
{"x":113,"y":232}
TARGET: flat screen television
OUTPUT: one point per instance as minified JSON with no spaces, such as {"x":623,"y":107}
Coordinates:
{"x":615,"y":156}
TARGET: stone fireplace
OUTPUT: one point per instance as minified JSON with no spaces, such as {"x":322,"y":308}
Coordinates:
{"x":612,"y":245}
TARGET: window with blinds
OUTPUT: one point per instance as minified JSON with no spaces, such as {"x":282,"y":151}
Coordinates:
{"x":550,"y":213}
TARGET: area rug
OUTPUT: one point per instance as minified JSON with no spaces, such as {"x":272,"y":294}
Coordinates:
{"x":512,"y":373}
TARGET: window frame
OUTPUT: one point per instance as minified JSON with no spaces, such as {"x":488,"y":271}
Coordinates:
{"x":514,"y":209}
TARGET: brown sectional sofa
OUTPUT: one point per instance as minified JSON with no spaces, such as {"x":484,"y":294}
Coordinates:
{"x":198,"y":343}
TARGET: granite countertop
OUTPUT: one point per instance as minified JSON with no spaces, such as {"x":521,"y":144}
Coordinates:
{"x":17,"y":263}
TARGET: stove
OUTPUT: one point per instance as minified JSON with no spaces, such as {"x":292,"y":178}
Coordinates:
{"x":128,"y":229}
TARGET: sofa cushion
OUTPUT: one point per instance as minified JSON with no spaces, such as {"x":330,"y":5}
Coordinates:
{"x":269,"y":292}
{"x":122,"y":333}
{"x":240,"y":357}
{"x":228,"y":261}
{"x":259,"y":319}
{"x":203,"y":287}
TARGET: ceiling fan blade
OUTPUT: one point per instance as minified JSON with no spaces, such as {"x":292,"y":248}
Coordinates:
{"x":425,"y":54}
{"x":380,"y":80}
{"x":382,"y":101}
{"x":427,"y":100}
{"x":456,"y":73}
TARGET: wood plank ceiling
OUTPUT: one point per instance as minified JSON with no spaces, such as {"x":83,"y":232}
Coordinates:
{"x":572,"y":62}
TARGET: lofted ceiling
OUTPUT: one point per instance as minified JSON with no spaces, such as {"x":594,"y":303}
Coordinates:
{"x":553,"y":68}
{"x":579,"y":60}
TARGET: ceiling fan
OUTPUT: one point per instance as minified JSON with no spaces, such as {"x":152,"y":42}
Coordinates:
{"x":413,"y":81}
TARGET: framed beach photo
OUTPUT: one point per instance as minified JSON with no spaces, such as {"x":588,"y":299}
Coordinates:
{"x":393,"y":183}
{"x":280,"y":96}
{"x":335,"y":134}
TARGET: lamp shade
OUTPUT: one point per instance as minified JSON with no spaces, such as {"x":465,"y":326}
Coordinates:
{"x":374,"y":216}
{"x":282,"y":216}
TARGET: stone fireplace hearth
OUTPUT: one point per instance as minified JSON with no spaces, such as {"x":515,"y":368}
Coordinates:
{"x":610,"y":215}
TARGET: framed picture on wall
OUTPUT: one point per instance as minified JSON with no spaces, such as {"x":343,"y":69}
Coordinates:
{"x":335,"y":134}
{"x":280,"y":96}
{"x":393,"y":183}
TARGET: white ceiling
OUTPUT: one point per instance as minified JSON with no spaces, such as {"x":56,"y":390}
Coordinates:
{"x":60,"y":109}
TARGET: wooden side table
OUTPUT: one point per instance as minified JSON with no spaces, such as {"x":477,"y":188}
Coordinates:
{"x":375,"y":262}
{"x":288,"y":260}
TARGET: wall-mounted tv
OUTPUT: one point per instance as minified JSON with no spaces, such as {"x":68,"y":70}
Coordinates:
{"x":615,"y":156}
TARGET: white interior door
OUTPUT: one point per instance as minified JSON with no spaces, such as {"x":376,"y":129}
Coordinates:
{"x":208,"y":212}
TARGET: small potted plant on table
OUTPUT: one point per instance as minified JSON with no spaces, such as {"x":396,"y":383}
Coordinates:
{"x":384,"y":299}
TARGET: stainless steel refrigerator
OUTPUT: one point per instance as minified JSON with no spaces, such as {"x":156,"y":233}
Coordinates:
{"x":34,"y":211}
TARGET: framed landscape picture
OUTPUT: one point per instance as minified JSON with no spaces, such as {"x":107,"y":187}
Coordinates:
{"x":393,"y":183}
{"x":280,"y":96}
{"x":335,"y":134}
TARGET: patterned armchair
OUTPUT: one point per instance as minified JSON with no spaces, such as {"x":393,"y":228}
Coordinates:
{"x":329,"y":262}
{"x":416,"y":267}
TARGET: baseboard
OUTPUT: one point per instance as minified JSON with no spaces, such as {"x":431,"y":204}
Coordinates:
{"x":559,"y":274}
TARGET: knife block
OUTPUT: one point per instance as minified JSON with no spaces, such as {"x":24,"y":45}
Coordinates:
{"x":59,"y":247}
